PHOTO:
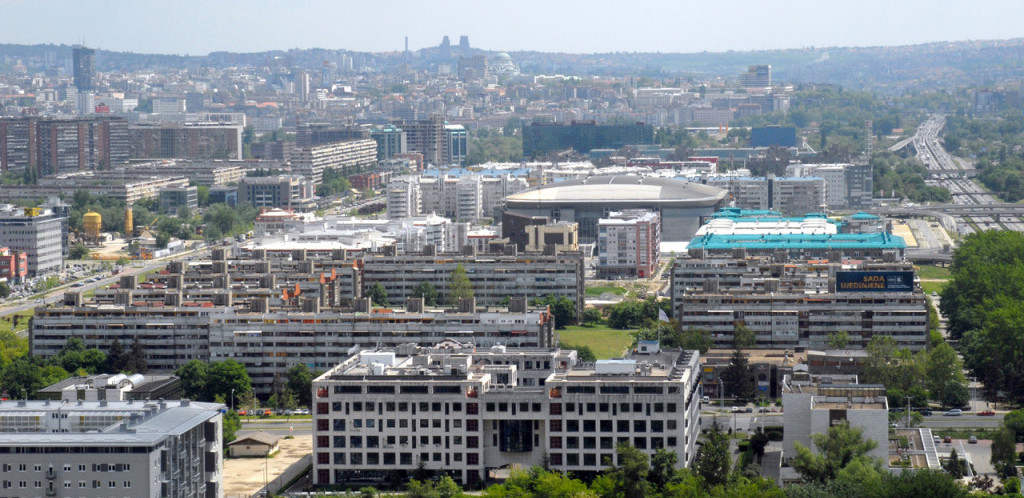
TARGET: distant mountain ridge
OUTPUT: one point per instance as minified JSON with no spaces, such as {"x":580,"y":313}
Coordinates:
{"x":886,"y":69}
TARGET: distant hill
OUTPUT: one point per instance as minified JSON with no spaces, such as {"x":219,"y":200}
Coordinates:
{"x":886,"y":69}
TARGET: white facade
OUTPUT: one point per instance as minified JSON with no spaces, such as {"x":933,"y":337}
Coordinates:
{"x":108,"y":449}
{"x":813,"y":409}
{"x":462,"y":411}
{"x":629,"y":244}
{"x":402,"y":199}
{"x":40,"y":236}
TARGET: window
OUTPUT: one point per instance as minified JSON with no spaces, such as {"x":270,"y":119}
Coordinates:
{"x":589,"y":425}
{"x":639,"y":426}
{"x":472,"y":459}
{"x":323,"y":424}
{"x":671,"y":424}
{"x":355,"y":441}
{"x":556,"y":409}
{"x":555,"y":425}
{"x":606,"y":426}
{"x":572,"y":442}
{"x":622,"y":425}
{"x":323,"y":441}
{"x":556,"y":442}
{"x":472,"y":425}
{"x":472,"y":442}
{"x":323,"y":458}
{"x":556,"y":459}
{"x":657,"y":426}
{"x":572,"y":425}
{"x":607,"y":443}
{"x":356,"y":459}
{"x":339,"y":424}
{"x":339,"y":441}
{"x":590,"y":459}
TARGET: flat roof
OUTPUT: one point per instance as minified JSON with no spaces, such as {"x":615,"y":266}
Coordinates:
{"x":877,"y":240}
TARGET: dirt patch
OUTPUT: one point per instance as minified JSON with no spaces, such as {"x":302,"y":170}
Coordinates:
{"x":243,"y":477}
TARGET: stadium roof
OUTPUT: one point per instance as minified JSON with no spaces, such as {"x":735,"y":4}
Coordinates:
{"x":621,"y":189}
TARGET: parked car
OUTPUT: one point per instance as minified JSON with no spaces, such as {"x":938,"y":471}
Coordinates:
{"x":947,"y":439}
{"x":936,"y":439}
{"x":986,"y":413}
{"x":972,"y":440}
{"x":956,"y":412}
{"x":749,"y":409}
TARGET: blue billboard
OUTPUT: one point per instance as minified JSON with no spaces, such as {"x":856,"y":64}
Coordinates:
{"x":875,"y":281}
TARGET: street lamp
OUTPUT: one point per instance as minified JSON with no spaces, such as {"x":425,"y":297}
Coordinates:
{"x":232,"y":399}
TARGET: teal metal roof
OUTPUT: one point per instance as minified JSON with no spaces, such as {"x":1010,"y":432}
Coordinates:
{"x":863,"y":216}
{"x":878,"y":240}
{"x":751,"y":215}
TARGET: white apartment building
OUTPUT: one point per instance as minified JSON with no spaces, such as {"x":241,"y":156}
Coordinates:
{"x":798,"y":195}
{"x":835,"y":184}
{"x":402,"y":198}
{"x":461,"y":410}
{"x":812,"y":408}
{"x":628,"y":244}
{"x":348,"y":157}
{"x":106,"y":449}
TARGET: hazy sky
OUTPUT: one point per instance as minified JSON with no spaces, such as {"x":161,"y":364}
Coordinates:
{"x":199,"y":27}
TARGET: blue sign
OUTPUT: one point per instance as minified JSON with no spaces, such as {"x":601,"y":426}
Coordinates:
{"x":875,"y":281}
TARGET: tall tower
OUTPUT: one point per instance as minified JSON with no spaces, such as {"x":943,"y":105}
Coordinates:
{"x":84,"y":67}
{"x":868,"y":128}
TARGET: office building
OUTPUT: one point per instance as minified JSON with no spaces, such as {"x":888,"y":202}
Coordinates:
{"x":84,"y":68}
{"x":683,"y":206}
{"x":186,"y":140}
{"x":461,"y":410}
{"x":292,"y":192}
{"x":13,"y":265}
{"x":564,"y":236}
{"x":174,"y":198}
{"x":798,"y":195}
{"x":757,"y":76}
{"x":427,"y":137}
{"x":111,"y":448}
{"x":457,"y":140}
{"x":629,"y":244}
{"x":813,"y":407}
{"x":540,"y":139}
{"x":35,"y":232}
{"x":312,"y":134}
{"x":390,"y":141}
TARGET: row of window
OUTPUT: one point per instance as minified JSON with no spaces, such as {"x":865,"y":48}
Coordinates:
{"x":389,"y":458}
{"x":67,"y":484}
{"x":606,"y":426}
{"x":96,"y":467}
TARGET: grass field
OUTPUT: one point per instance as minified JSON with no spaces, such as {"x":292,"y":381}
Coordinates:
{"x":933,"y":273}
{"x":929,"y":287}
{"x":601,"y":289}
{"x":605,"y":342}
{"x":21,"y":327}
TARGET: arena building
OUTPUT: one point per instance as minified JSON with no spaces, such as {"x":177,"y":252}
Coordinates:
{"x":683,"y":206}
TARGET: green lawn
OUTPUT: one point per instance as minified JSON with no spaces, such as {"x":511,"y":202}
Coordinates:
{"x":929,"y":287}
{"x":604,"y":341}
{"x":933,"y":273}
{"x":22,"y":318}
{"x":596,"y":291}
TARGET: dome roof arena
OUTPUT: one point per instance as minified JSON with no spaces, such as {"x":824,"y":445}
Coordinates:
{"x":682,"y":205}
{"x":619,"y":191}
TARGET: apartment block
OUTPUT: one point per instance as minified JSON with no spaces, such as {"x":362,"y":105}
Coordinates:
{"x":629,"y":244}
{"x":461,"y":410}
{"x":186,"y":140}
{"x":111,"y":448}
{"x":798,"y":195}
{"x":50,"y":145}
{"x":347,"y":158}
{"x":494,"y":277}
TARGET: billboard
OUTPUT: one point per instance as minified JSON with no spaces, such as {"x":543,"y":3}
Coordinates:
{"x":874,"y":281}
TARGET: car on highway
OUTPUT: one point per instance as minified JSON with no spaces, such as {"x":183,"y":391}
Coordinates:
{"x":956,"y":412}
{"x":986,"y":413}
{"x":927,"y":412}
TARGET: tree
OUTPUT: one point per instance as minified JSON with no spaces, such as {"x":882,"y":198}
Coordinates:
{"x":944,"y":376}
{"x":629,"y":477}
{"x":561,"y":307}
{"x":758,"y":442}
{"x":1004,"y":452}
{"x":954,"y":466}
{"x":300,"y":383}
{"x":1015,"y":422}
{"x":743,"y":337}
{"x":5,"y":290}
{"x":836,"y":449}
{"x":136,"y":360}
{"x":78,"y":251}
{"x":232,"y":422}
{"x":378,"y":295}
{"x":459,"y":286}
{"x":225,"y":376}
{"x":116,"y":357}
{"x":446,"y":487}
{"x":713,"y":461}
{"x":591,"y":316}
{"x":663,"y":468}
{"x":193,"y":377}
{"x":993,"y":352}
{"x":74,"y":357}
{"x":739,"y":377}
{"x":838,"y":340}
{"x":427,"y":291}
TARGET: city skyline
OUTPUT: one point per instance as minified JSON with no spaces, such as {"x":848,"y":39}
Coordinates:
{"x":197,"y":28}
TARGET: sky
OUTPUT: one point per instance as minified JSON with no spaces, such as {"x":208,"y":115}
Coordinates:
{"x":198,"y":27}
